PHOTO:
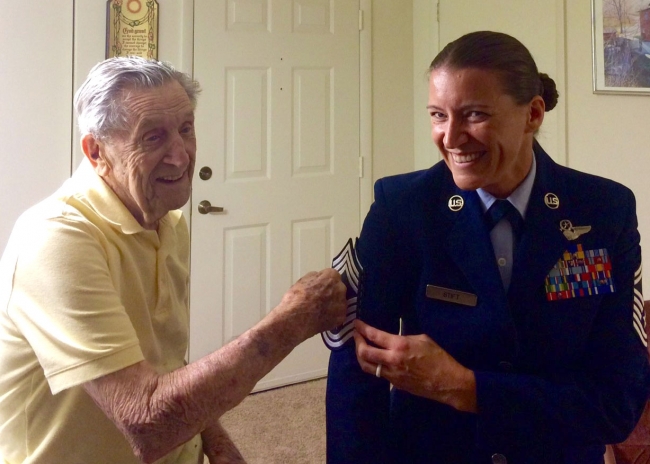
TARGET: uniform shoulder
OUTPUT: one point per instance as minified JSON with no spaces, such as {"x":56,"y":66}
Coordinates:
{"x":592,"y":185}
{"x":590,"y":191}
{"x":404,"y":187}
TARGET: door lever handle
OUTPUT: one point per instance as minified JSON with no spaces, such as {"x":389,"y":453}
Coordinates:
{"x":205,"y":207}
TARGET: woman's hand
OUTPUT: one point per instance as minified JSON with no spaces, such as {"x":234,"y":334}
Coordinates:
{"x":416,"y":364}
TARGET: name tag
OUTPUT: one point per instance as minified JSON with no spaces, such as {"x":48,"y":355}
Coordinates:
{"x":450,"y":295}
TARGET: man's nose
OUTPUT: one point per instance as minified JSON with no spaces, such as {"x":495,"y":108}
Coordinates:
{"x":178,"y":154}
{"x":455,"y":134}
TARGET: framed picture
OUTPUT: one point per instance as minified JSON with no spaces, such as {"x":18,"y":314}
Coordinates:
{"x":132,"y":28}
{"x":621,"y":46}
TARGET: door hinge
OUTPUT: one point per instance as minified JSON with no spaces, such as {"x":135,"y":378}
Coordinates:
{"x":360,"y":167}
{"x":361,"y":20}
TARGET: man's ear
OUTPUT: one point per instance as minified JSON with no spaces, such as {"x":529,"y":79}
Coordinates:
{"x":94,"y":151}
{"x":536,"y":113}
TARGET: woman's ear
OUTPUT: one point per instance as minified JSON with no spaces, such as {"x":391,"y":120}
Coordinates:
{"x":536,"y":113}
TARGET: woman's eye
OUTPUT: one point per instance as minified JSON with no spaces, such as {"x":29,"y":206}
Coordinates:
{"x":476,"y":115}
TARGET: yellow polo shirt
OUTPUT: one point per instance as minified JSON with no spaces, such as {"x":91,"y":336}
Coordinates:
{"x":85,"y":291}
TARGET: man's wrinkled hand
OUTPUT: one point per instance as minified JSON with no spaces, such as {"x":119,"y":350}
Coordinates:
{"x":318,"y":301}
{"x":219,"y":447}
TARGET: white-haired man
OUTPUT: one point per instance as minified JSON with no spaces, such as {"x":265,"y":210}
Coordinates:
{"x":94,"y":292}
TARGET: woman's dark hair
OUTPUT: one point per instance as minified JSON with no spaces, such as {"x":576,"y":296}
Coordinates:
{"x":505,"y":55}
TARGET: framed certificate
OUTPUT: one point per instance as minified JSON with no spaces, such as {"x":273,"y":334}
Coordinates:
{"x":132,"y":28}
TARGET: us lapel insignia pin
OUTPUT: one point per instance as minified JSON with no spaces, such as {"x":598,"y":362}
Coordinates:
{"x":570,"y":232}
{"x":552,"y":201}
{"x":456,"y":203}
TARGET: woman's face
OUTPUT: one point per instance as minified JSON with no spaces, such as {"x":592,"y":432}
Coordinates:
{"x":484,"y":137}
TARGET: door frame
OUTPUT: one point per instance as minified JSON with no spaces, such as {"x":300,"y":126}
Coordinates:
{"x":365,"y":110}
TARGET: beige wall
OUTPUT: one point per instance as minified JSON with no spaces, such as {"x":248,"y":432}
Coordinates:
{"x":606,"y":134}
{"x":35,"y":107}
{"x":392,"y":87}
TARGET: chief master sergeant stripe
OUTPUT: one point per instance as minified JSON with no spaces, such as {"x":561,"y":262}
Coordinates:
{"x":637,"y":308}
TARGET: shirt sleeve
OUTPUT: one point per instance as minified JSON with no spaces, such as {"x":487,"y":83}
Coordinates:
{"x":65,"y":304}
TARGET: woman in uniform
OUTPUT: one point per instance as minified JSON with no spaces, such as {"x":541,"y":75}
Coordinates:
{"x":514,"y":284}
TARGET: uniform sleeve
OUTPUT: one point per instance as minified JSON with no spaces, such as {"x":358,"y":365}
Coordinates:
{"x":358,"y":403}
{"x":64,"y":303}
{"x":596,"y":404}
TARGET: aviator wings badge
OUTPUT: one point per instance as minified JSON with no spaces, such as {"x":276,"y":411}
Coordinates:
{"x":571,"y":232}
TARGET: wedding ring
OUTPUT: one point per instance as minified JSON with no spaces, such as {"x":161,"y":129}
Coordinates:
{"x":378,"y":371}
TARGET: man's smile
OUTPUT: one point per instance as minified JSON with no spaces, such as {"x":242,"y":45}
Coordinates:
{"x":171,"y":178}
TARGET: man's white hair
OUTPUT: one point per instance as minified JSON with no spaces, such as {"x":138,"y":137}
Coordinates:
{"x":100,"y":101}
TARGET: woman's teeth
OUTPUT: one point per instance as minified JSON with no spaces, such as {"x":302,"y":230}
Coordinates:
{"x":466,"y":158}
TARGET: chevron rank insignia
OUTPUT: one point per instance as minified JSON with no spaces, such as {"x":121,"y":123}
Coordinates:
{"x":638,"y":310}
{"x":347,"y":263}
{"x":580,"y":273}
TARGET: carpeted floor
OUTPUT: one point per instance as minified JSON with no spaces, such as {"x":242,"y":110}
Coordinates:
{"x":281,"y":426}
{"x":285,"y":425}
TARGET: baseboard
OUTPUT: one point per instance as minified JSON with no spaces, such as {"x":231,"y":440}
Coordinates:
{"x":290,"y":380}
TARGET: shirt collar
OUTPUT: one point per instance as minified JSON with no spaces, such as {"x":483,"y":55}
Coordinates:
{"x":519,"y":198}
{"x":107,"y":204}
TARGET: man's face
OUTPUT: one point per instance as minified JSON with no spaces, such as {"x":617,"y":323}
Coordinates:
{"x":484,"y":137}
{"x":150,"y":166}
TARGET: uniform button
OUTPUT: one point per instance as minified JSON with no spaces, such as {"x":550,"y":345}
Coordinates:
{"x":505,"y":366}
{"x":502,"y":262}
{"x":498,"y":458}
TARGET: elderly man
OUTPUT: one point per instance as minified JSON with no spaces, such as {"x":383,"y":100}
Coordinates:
{"x":94,"y":292}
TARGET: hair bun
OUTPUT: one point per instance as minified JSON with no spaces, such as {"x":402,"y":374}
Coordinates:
{"x":549,"y":91}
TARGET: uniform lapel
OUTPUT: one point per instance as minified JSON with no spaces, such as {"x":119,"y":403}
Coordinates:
{"x":542,"y":242}
{"x":469,"y":245}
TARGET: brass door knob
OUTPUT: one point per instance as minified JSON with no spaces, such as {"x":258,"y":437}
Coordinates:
{"x":205,"y":173}
{"x":205,"y":207}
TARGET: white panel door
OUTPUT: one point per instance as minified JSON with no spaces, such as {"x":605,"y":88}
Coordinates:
{"x":278,"y":125}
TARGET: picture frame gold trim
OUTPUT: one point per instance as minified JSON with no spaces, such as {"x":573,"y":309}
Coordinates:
{"x":132,"y":28}
{"x":620,"y":47}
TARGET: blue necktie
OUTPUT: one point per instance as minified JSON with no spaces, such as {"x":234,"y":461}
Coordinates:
{"x":501,"y":209}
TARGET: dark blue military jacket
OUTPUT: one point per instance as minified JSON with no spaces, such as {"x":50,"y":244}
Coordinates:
{"x":556,"y":380}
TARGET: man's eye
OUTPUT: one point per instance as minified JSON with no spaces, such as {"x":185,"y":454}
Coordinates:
{"x":437,"y":115}
{"x":152,"y":138}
